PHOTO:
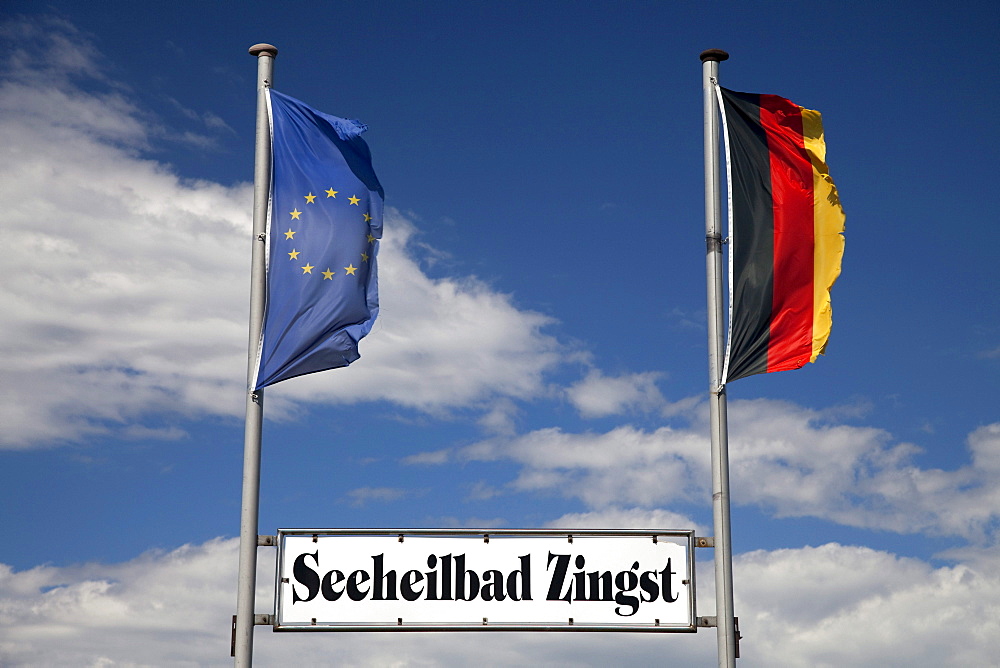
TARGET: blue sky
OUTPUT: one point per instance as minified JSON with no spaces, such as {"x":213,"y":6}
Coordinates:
{"x":539,"y":359}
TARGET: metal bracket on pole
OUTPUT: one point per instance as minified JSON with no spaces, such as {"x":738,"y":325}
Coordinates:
{"x":713,"y":242}
{"x":258,"y":620}
{"x":267,"y":541}
{"x":709,"y":622}
{"x":704,"y":541}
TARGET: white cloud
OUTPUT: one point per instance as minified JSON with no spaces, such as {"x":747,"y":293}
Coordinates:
{"x":468,"y":522}
{"x":434,"y":457}
{"x":839,"y":605}
{"x":118,"y":291}
{"x":125,"y":288}
{"x":985,"y":446}
{"x":627,"y":518}
{"x":501,"y":417}
{"x":992,"y":354}
{"x":830,"y":605}
{"x":796,"y":462}
{"x":789,"y":460}
{"x":49,"y":50}
{"x":158,"y":609}
{"x":625,"y":465}
{"x":438,"y":343}
{"x":362,"y":496}
{"x":599,"y":395}
{"x":481,"y":490}
{"x":174,"y":609}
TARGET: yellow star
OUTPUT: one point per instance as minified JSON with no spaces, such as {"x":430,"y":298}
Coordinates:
{"x":332,"y":193}
{"x":371,"y":239}
{"x":308,"y":269}
{"x":350,"y":269}
{"x":295,"y":214}
{"x":367,"y":217}
{"x":289,"y":234}
{"x":328,"y":275}
{"x":364,"y":257}
{"x":294,"y":255}
{"x":354,"y":200}
{"x":310,"y":197}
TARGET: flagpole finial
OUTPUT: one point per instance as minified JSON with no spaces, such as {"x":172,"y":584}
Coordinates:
{"x":265,"y":50}
{"x":718,"y":55}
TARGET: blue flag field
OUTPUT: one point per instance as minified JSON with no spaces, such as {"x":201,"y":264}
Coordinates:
{"x":323,"y":228}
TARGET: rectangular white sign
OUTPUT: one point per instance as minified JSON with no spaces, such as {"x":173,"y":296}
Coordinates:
{"x":439,"y":579}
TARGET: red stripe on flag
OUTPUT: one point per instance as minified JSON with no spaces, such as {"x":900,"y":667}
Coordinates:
{"x":792,"y":194}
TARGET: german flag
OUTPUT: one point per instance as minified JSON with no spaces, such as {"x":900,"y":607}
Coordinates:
{"x":786,"y":234}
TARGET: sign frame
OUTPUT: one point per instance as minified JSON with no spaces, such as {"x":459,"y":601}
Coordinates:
{"x":683,"y":538}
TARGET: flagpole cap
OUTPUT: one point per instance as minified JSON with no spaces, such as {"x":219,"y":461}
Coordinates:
{"x":718,"y":55}
{"x":263,"y":50}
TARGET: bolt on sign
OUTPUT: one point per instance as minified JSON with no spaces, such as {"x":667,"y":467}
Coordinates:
{"x":464,"y":580}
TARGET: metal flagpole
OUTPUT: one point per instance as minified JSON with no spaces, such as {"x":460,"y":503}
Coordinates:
{"x":243,"y":638}
{"x":725,"y":620}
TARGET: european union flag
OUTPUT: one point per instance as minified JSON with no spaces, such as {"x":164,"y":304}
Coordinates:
{"x":323,"y":227}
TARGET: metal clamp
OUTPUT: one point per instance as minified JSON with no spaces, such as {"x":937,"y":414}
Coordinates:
{"x":713,"y":242}
{"x":258,"y":620}
{"x":713,"y":621}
